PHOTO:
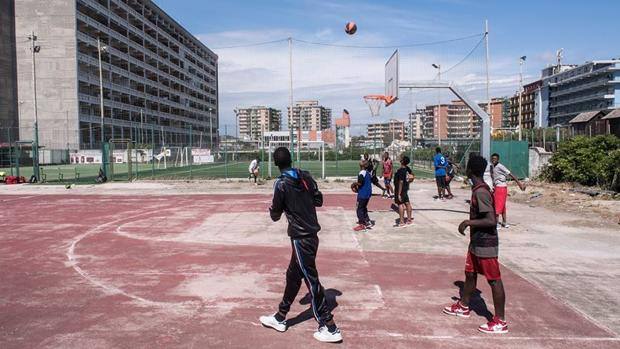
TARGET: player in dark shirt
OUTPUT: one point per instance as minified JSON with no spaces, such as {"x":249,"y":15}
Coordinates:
{"x":297,"y":195}
{"x":402,"y":178}
{"x":483,"y":250}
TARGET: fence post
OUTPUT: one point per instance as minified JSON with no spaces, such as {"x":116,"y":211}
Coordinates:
{"x":153,"y":151}
{"x":225,"y":154}
{"x":336,"y":147}
{"x":8,"y":133}
{"x":190,"y":158}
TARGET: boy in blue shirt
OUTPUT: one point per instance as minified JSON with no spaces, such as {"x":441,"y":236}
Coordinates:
{"x":364,"y":192}
{"x":440,"y":172}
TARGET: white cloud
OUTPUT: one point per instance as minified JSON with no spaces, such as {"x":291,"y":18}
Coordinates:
{"x":338,"y":77}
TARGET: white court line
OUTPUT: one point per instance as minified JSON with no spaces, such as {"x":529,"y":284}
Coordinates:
{"x":497,"y":337}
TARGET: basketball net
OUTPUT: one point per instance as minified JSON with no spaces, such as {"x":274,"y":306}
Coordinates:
{"x":374,"y":103}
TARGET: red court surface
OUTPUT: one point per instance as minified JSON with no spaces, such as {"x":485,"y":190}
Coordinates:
{"x":197,"y":272}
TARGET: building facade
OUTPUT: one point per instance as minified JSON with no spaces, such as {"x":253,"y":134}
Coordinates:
{"x":458,"y":120}
{"x":313,"y":116}
{"x":158,"y":79}
{"x":416,"y":125}
{"x":8,"y":70}
{"x":385,"y":133}
{"x":435,"y":121}
{"x":570,"y":90}
{"x":531,"y":107}
{"x":255,"y":121}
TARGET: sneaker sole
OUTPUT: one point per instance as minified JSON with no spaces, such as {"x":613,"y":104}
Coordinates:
{"x":272,"y":327}
{"x":328,"y":340}
{"x":456,"y":314}
{"x":492,"y":332}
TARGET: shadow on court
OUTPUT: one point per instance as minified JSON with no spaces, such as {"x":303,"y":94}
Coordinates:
{"x":476,"y":302}
{"x":330,"y":298}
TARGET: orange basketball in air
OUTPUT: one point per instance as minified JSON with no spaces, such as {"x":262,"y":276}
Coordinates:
{"x":350,"y":28}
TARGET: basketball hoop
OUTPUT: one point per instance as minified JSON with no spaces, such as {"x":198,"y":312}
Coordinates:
{"x":375,"y":101}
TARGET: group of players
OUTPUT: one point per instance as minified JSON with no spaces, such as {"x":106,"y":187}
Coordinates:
{"x":296,"y":194}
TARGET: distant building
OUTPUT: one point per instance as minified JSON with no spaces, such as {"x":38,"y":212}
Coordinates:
{"x":386,"y":132}
{"x":416,"y":124}
{"x":588,"y":124}
{"x":255,"y":121}
{"x":8,"y":71}
{"x":343,"y":129}
{"x":613,"y":122}
{"x":531,"y":107}
{"x":435,"y":121}
{"x":312,"y":115}
{"x":570,"y":90}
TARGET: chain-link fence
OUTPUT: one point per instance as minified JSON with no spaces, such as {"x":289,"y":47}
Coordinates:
{"x":147,"y":153}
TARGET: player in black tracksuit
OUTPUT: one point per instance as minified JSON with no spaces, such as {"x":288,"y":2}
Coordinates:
{"x":296,"y":194}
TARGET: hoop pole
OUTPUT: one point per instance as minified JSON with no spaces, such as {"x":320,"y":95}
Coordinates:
{"x":323,"y":160}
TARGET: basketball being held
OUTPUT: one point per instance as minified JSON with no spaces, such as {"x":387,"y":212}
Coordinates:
{"x":350,"y":28}
{"x":410,"y":177}
{"x":355,"y":187}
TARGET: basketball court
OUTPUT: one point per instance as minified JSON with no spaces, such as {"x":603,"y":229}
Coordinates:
{"x":165,"y":270}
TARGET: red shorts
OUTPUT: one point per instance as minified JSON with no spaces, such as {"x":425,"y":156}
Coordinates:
{"x":499,"y":197}
{"x":489,"y":267}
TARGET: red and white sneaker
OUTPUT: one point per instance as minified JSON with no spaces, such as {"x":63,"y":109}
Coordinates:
{"x":359,"y":227}
{"x":457,"y":309}
{"x":494,"y":326}
{"x":408,"y":221}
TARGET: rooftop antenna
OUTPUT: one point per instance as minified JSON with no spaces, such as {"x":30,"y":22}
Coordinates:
{"x":558,"y":55}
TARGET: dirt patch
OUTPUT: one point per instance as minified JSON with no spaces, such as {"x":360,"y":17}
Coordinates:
{"x":563,"y":197}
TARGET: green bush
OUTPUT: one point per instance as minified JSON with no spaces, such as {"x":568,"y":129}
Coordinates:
{"x":588,"y":161}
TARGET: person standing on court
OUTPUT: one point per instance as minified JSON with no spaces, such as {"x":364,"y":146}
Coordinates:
{"x":482,"y":253}
{"x":254,"y":170}
{"x":499,"y":174}
{"x":296,"y":194}
{"x":440,"y":163}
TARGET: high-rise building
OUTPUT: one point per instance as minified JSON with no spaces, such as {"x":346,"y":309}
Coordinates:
{"x":416,"y":125}
{"x":435,"y":121}
{"x":313,"y":117}
{"x":343,"y":129}
{"x":255,"y":121}
{"x":158,"y":79}
{"x":531,"y":107}
{"x":569,"y":90}
{"x":8,"y":87}
{"x":386,"y":132}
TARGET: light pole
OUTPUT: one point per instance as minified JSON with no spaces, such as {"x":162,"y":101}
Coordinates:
{"x":100,"y":49}
{"x":211,"y":128}
{"x":438,"y":67}
{"x":35,"y":145}
{"x":521,"y":62}
{"x":290,"y":92}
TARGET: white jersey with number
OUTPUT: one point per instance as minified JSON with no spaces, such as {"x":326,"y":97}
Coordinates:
{"x":253,"y":166}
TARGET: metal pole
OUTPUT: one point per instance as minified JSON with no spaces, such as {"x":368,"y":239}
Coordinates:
{"x":290,"y":93}
{"x":141,"y":127}
{"x":190,"y":160}
{"x":153,"y":151}
{"x":225,"y":154}
{"x":337,"y":170}
{"x":210,"y":129}
{"x":103,"y":160}
{"x":8,"y":133}
{"x":486,"y":46}
{"x":35,"y":144}
{"x":520,"y":94}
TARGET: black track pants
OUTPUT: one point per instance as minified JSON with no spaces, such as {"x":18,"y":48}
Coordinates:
{"x":303,"y":266}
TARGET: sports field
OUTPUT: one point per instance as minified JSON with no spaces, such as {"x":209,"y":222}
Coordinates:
{"x":193,"y":265}
{"x":87,"y":173}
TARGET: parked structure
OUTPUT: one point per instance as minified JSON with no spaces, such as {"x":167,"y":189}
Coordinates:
{"x":158,"y":79}
{"x":254,"y":121}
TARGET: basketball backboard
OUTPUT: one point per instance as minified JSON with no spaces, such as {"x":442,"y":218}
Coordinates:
{"x":391,"y":79}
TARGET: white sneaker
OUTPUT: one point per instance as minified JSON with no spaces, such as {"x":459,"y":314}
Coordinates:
{"x":270,"y":321}
{"x":499,"y":226}
{"x":506,"y":225}
{"x":323,"y":335}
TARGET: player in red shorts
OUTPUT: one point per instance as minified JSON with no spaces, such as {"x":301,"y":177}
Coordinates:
{"x":483,"y":250}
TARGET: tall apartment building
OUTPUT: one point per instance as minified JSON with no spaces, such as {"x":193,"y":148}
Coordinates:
{"x":458,"y":120}
{"x":570,"y":90}
{"x":314,"y":117}
{"x":157,"y":77}
{"x":254,"y":121}
{"x":8,"y":87}
{"x":531,"y":107}
{"x":416,"y":125}
{"x":386,"y":132}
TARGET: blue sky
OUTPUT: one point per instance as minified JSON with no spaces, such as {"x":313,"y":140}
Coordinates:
{"x":339,"y":77}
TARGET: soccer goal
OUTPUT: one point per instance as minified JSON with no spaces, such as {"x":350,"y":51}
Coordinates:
{"x":312,"y":150}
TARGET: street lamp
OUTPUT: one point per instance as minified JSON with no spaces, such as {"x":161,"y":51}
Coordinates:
{"x":521,"y":62}
{"x":438,"y":67}
{"x":101,"y":49}
{"x":35,"y":145}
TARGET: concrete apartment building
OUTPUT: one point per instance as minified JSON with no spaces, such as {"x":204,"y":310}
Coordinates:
{"x":314,"y":117}
{"x":8,"y":70}
{"x":569,"y":90}
{"x":531,"y":107}
{"x":156,"y":75}
{"x":458,"y":120}
{"x":416,"y":125}
{"x":386,"y":132}
{"x":254,"y":121}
